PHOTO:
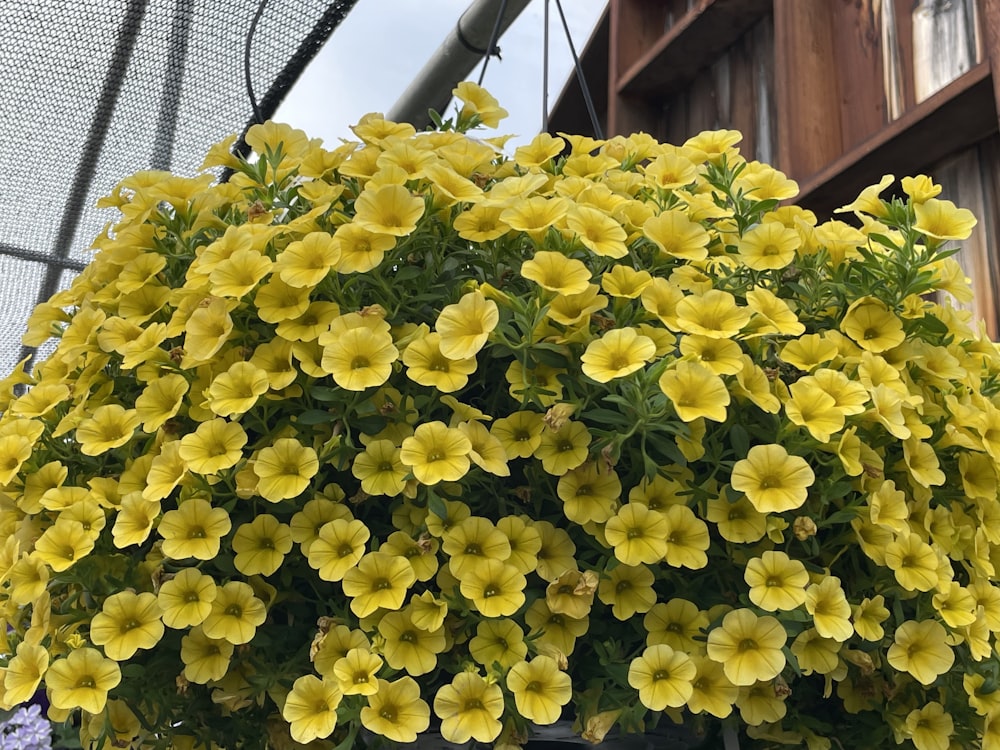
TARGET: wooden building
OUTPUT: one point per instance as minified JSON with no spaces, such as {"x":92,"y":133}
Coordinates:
{"x":835,"y":93}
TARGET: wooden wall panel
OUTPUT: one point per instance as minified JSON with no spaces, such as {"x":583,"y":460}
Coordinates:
{"x":806,"y":88}
{"x":857,"y":56}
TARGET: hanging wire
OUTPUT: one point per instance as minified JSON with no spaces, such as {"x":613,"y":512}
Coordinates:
{"x":598,"y":132}
{"x":545,"y":69}
{"x":492,"y":48}
{"x":246,"y":61}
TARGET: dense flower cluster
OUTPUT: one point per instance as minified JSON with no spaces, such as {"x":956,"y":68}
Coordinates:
{"x":408,"y":435}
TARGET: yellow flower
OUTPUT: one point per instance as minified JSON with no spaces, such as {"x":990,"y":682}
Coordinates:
{"x":478,"y":101}
{"x":869,"y":616}
{"x":714,"y":314}
{"x":663,"y":677}
{"x":396,"y":711}
{"x":768,"y":246}
{"x":773,"y":480}
{"x":597,"y":231}
{"x":624,"y":281}
{"x":494,"y":587}
{"x":589,"y":493}
{"x":539,"y":384}
{"x":956,"y":605}
{"x":311,"y":708}
{"x":572,"y":593}
{"x":238,"y":274}
{"x":808,"y":352}
{"x":776,"y":581}
{"x":930,"y":727}
{"x":534,"y":215}
{"x":261,"y":545}
{"x":205,"y":659}
{"x":215,"y":445}
{"x":872,"y":325}
{"x":436,"y":453}
{"x":358,"y":249}
{"x":748,"y":647}
{"x":617,"y":353}
{"x":186,"y":598}
{"x":487,"y":451}
{"x":920,"y":187}
{"x":721,"y":356}
{"x":812,"y":407}
{"x":671,"y":170}
{"x":540,"y":689}
{"x":712,"y":691}
{"x":942,"y":220}
{"x":638,"y":534}
{"x":63,"y":544}
{"x":469,"y":708}
{"x":194,"y":529}
{"x":913,"y":561}
{"x":760,"y":703}
{"x":306,"y":262}
{"x":426,"y":365}
{"x":827,"y":604}
{"x":520,"y":434}
{"x":465,"y":326}
{"x":695,"y":391}
{"x":207,"y":330}
{"x":284,"y":469}
{"x":236,"y":614}
{"x":359,"y":358}
{"x":687,"y":538}
{"x":24,"y":673}
{"x":557,"y":273}
{"x":126,"y":623}
{"x":237,"y":389}
{"x":868,"y":200}
{"x":310,"y":324}
{"x":815,"y":653}
{"x":388,"y":209}
{"x":110,"y":426}
{"x":355,"y":672}
{"x":133,"y":522}
{"x":737,"y":521}
{"x":677,"y":236}
{"x":678,"y":623}
{"x":498,"y":640}
{"x":409,"y":647}
{"x":627,"y":589}
{"x":480,"y":223}
{"x":921,"y":649}
{"x":380,"y":469}
{"x":82,"y":680}
{"x":337,"y":548}
{"x":471,"y":540}
{"x":772,"y":314}
{"x":378,"y":580}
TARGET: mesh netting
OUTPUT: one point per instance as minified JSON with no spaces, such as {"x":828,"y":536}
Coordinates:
{"x":95,"y":90}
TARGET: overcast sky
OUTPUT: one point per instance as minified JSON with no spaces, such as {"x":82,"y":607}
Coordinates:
{"x":382,"y":44}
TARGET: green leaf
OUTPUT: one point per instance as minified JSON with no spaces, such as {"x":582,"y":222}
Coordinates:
{"x":322,"y":393}
{"x":605,"y":417}
{"x":740,"y":439}
{"x":314,"y":416}
{"x":883,"y":241}
{"x":841,"y":516}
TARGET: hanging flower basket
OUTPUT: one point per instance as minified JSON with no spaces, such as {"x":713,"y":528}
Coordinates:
{"x":408,"y":437}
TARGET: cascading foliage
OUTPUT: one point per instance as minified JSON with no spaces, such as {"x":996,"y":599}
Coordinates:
{"x":409,"y":436}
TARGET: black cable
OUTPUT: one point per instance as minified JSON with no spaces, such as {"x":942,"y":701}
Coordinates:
{"x":246,"y":61}
{"x":598,"y":133}
{"x":494,"y":37}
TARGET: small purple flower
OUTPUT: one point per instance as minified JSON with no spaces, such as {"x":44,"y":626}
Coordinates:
{"x":26,"y":729}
